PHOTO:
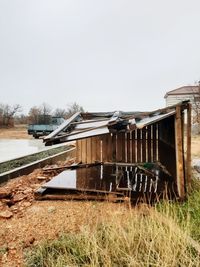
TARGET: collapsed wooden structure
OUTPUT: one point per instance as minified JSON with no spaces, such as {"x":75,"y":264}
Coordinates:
{"x":141,"y":152}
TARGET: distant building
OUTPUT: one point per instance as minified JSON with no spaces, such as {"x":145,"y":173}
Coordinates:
{"x":189,"y":92}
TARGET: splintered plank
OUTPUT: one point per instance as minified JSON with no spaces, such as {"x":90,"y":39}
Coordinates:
{"x":144,"y":145}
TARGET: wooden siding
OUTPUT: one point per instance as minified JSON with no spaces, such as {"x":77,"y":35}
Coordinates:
{"x":133,"y":147}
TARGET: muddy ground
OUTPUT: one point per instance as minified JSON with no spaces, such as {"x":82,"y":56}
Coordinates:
{"x":25,"y":222}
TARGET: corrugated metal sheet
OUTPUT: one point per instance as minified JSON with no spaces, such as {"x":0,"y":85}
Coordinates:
{"x":147,"y":121}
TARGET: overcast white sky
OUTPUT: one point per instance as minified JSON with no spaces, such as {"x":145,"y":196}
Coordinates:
{"x":106,"y":55}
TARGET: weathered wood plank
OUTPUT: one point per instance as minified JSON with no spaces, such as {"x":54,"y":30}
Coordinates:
{"x":188,"y":167}
{"x":179,"y":154}
{"x":144,"y":145}
{"x":94,"y":148}
{"x":154,"y":129}
{"x":128,"y":144}
{"x":109,"y":148}
{"x":89,"y":150}
{"x":134,"y":146}
{"x":105,"y":148}
{"x":84,"y":196}
{"x":98,"y":148}
{"x":78,"y":151}
{"x":114,"y":144}
{"x":139,"y":153}
{"x":149,"y":158}
{"x":84,"y":150}
{"x":119,"y":146}
{"x":123,"y":147}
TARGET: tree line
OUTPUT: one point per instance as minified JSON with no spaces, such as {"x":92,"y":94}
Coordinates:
{"x":13,"y":114}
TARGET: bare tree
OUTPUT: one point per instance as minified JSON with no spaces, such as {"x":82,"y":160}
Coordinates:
{"x":59,"y":112}
{"x":40,"y":114}
{"x":46,"y":109}
{"x":196,"y":104}
{"x":34,"y":113}
{"x":73,"y":108}
{"x":7,"y":113}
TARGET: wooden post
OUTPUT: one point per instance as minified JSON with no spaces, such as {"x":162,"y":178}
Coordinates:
{"x":188,"y":167}
{"x":180,"y":179}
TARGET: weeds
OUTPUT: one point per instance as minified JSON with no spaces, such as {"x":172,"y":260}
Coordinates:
{"x":161,"y":236}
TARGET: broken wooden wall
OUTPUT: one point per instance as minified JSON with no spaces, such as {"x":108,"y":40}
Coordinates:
{"x":134,"y":147}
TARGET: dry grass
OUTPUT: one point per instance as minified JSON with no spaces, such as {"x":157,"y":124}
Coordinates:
{"x":137,"y":239}
{"x":165,"y":235}
{"x":195,"y":146}
{"x":17,"y":132}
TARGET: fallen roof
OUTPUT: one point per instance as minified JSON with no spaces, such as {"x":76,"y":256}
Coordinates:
{"x":83,"y":125}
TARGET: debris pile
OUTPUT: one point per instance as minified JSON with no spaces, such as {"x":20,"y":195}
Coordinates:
{"x":18,"y":194}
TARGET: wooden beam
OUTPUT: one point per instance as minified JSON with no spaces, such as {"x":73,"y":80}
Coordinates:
{"x":180,"y":179}
{"x":188,"y":167}
{"x":63,"y":126}
{"x":106,"y":197}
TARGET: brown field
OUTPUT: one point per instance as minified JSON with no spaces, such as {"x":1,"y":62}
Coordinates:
{"x":33,"y":221}
{"x":17,"y":132}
